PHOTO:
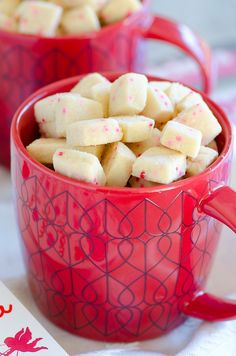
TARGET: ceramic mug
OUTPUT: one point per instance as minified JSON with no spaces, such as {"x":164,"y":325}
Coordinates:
{"x":30,"y":62}
{"x":120,"y":264}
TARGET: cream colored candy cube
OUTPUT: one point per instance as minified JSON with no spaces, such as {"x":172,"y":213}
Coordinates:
{"x":8,"y":7}
{"x":116,"y":10}
{"x":68,"y":4}
{"x":181,"y":138}
{"x":94,"y":150}
{"x":160,"y":165}
{"x":48,"y":129}
{"x":201,"y":118}
{"x":81,"y":166}
{"x":84,"y":86}
{"x":135,"y":182}
{"x":176,"y":92}
{"x":153,"y":140}
{"x":93,"y":132}
{"x":43,"y":149}
{"x":101,"y":93}
{"x":135,"y":128}
{"x":7,"y":23}
{"x":213,"y":145}
{"x":189,"y":101}
{"x":158,"y":105}
{"x":128,"y":95}
{"x":72,"y":107}
{"x":38,"y":18}
{"x":161,"y":85}
{"x":45,"y":109}
{"x":80,"y":20}
{"x":205,"y":157}
{"x":117,"y":163}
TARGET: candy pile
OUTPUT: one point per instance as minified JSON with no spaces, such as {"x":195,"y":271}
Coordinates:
{"x":63,"y":17}
{"x":129,"y":132}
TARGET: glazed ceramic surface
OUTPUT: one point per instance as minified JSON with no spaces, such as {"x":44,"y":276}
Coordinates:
{"x":119,"y":264}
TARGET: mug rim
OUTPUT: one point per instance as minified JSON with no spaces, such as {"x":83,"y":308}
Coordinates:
{"x":83,"y":36}
{"x":47,"y":90}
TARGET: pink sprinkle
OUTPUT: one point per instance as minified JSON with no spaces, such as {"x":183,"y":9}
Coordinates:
{"x":194,"y":113}
{"x":95,"y":181}
{"x":151,"y":124}
{"x":178,"y":138}
{"x":130,"y":98}
{"x":142,"y":175}
{"x":162,"y":96}
{"x":106,"y":128}
{"x":177,"y":168}
{"x":131,"y":80}
{"x":141,"y":185}
{"x":170,"y":143}
{"x":118,"y":129}
{"x":64,"y":110}
{"x":182,"y":119}
{"x":166,"y":104}
{"x":43,"y":120}
{"x":60,"y":153}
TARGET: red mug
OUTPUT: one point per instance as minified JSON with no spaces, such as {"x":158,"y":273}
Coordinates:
{"x":30,"y":62}
{"x":120,"y":264}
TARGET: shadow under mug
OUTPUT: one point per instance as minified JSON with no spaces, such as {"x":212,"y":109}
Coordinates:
{"x":30,"y":62}
{"x":120,"y":264}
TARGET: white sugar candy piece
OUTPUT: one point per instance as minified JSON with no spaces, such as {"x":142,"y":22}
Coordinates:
{"x":135,"y":128}
{"x":71,"y":108}
{"x":101,"y":93}
{"x":176,"y":92}
{"x":68,"y":4}
{"x":94,"y":132}
{"x":197,"y":165}
{"x":80,"y":20}
{"x":116,"y":10}
{"x":200,"y":117}
{"x":117,"y":163}
{"x":162,"y":85}
{"x":128,"y":95}
{"x":160,"y":165}
{"x":7,"y":23}
{"x":189,"y":101}
{"x":158,"y":105}
{"x":135,"y":182}
{"x":43,"y":149}
{"x":84,"y":86}
{"x":153,"y":140}
{"x":213,"y":145}
{"x":8,"y":7}
{"x":181,"y":138}
{"x":38,"y":18}
{"x":45,"y":109}
{"x":81,"y":166}
{"x":48,"y":129}
{"x":94,"y":150}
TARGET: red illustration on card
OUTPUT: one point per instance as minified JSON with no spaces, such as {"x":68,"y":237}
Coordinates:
{"x":4,"y":311}
{"x":22,"y":342}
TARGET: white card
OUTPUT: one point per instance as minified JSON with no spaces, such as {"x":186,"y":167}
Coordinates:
{"x":20,"y":333}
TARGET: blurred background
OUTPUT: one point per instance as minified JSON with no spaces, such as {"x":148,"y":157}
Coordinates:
{"x":214,"y":20}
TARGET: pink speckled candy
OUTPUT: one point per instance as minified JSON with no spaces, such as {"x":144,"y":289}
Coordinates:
{"x":81,"y":166}
{"x":93,"y":132}
{"x":135,"y":128}
{"x":159,"y":164}
{"x":116,"y":10}
{"x":153,"y":140}
{"x":181,"y":138}
{"x":197,"y":165}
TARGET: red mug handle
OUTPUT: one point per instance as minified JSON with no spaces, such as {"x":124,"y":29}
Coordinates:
{"x":183,"y":37}
{"x":221,"y":205}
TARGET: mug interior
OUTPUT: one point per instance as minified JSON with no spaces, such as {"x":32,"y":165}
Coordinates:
{"x":25,"y":130}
